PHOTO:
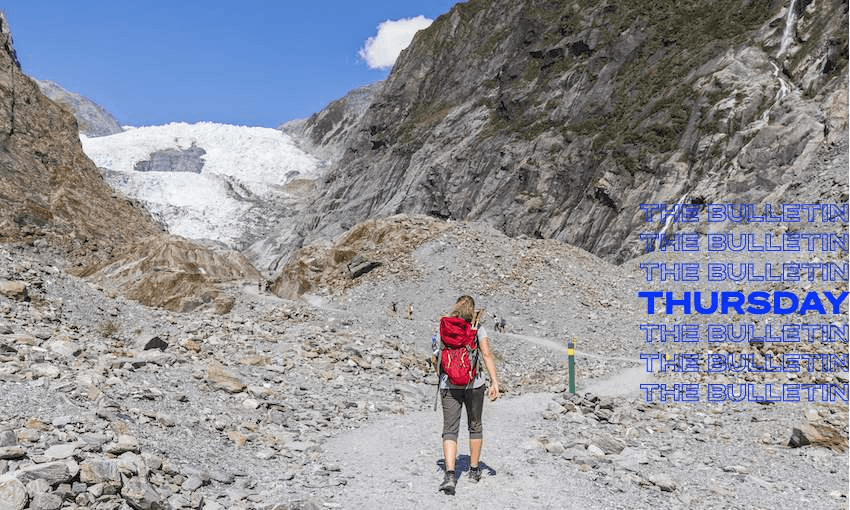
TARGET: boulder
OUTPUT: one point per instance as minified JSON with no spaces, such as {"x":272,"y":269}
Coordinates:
{"x":13,"y":495}
{"x":14,"y":290}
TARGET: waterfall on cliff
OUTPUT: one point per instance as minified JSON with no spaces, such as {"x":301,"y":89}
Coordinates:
{"x":788,"y":33}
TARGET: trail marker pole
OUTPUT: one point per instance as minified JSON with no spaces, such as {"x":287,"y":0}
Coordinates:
{"x":571,"y":364}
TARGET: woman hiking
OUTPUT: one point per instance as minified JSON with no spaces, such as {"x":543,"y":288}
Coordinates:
{"x":462,"y":383}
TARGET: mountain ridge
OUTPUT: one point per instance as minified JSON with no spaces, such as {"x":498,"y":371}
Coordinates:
{"x":556,"y":121}
{"x":92,"y":118}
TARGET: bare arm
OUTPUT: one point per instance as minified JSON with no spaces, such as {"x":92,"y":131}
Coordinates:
{"x":484,"y":345}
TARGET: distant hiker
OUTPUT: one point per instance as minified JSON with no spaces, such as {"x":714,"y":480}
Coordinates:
{"x":495,"y":323}
{"x":393,"y":310}
{"x":410,"y":311}
{"x":502,"y":324}
{"x":463,"y":383}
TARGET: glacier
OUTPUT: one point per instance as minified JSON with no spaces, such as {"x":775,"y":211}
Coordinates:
{"x":243,"y":187}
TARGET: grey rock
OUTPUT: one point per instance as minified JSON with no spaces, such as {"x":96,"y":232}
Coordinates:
{"x":174,"y":160}
{"x":555,"y":447}
{"x":95,"y":471}
{"x":153,"y":462}
{"x":46,"y":501}
{"x":192,"y":483}
{"x":14,"y":289}
{"x":212,"y":505}
{"x":12,"y":452}
{"x":125,"y":443}
{"x":596,"y":451}
{"x":630,"y":459}
{"x":154,"y":342}
{"x":608,"y":443}
{"x":139,"y":494}
{"x":61,"y":451}
{"x":177,"y":501}
{"x":8,"y":438}
{"x":663,"y":481}
{"x":360,"y":266}
{"x":53,"y":472}
{"x":326,"y":133}
{"x":510,"y":139}
{"x":13,"y":495}
{"x":37,"y":486}
{"x":64,"y":347}
{"x":221,"y":476}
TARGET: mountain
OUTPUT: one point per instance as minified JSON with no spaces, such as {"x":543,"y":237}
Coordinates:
{"x":557,"y":120}
{"x":49,"y":188}
{"x":53,"y":198}
{"x":92,"y":118}
{"x":326,"y":133}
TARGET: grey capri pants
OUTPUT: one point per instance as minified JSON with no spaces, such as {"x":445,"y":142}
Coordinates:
{"x":453,"y":400}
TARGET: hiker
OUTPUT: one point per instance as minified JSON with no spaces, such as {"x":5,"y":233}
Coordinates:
{"x":410,"y":311}
{"x":464,"y":319}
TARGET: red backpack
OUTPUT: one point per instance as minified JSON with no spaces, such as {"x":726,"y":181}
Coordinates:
{"x":459,"y":357}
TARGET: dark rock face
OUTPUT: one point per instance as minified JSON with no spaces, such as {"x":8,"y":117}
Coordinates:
{"x":92,"y":118}
{"x":174,"y":160}
{"x":557,"y":120}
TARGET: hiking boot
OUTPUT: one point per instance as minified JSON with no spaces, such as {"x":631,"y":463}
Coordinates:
{"x":449,"y":482}
{"x":474,"y":474}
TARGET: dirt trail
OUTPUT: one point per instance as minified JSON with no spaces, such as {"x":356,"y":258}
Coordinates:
{"x":396,"y":463}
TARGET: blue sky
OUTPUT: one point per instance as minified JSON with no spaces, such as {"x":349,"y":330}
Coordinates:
{"x":250,"y":62}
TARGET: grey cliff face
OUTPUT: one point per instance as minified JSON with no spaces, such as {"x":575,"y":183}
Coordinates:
{"x":92,"y":118}
{"x":556,"y":120}
{"x":326,"y":133}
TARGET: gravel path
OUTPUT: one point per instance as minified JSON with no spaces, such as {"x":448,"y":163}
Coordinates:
{"x":398,"y":462}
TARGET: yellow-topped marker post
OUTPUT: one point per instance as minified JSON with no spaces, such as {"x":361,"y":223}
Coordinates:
{"x":571,"y":364}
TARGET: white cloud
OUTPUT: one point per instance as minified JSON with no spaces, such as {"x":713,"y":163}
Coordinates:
{"x":381,"y":50}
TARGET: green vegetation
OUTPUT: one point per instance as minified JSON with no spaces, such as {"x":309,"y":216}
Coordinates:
{"x":649,"y":51}
{"x":654,"y":82}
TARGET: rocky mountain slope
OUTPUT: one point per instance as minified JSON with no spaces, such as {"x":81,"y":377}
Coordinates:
{"x":556,"y":120}
{"x":92,"y":119}
{"x":52,"y":197}
{"x":49,"y":188}
{"x":328,"y":132}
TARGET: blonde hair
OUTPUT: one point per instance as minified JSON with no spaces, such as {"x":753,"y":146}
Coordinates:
{"x":464,"y":308}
